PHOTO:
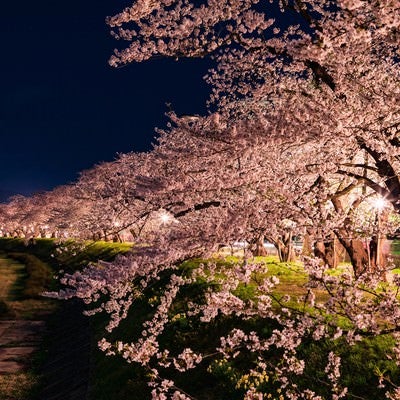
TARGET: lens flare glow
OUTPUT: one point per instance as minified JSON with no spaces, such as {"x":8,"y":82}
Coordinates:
{"x":165,"y":218}
{"x":379,"y":203}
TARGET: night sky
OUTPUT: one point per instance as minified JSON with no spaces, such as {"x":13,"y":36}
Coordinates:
{"x":63,"y":109}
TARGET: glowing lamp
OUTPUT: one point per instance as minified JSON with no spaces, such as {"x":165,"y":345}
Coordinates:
{"x":165,"y":218}
{"x":379,"y":203}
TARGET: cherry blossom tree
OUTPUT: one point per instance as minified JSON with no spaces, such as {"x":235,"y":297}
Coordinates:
{"x":304,"y":134}
{"x":329,"y":82}
{"x":348,"y":51}
{"x":221,"y":182}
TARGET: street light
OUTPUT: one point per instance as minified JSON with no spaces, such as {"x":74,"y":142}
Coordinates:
{"x":165,"y":218}
{"x":379,"y":203}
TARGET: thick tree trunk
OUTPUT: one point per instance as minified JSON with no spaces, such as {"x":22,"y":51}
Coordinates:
{"x":257,"y":247}
{"x":355,"y":248}
{"x":329,"y":252}
{"x":117,"y":238}
{"x":286,"y":253}
{"x":96,"y":236}
{"x":285,"y":248}
{"x":378,"y":257}
{"x":358,"y":255}
{"x":107,"y":237}
{"x":307,"y":247}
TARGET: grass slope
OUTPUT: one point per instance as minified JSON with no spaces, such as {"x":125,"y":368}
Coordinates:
{"x":222,"y":379}
{"x":112,"y":378}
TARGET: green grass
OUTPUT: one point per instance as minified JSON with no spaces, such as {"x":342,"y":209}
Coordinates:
{"x":36,"y":278}
{"x":395,"y":247}
{"x":72,"y":255}
{"x":21,"y":386}
{"x":113,"y":378}
{"x":66,"y":255}
{"x":396,"y":271}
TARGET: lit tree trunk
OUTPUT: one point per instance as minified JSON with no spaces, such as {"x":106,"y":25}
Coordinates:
{"x":364,"y":258}
{"x":357,"y":252}
{"x":257,"y":247}
{"x":307,"y":247}
{"x":285,"y":248}
{"x":117,"y":238}
{"x":328,"y":251}
{"x":106,"y":236}
{"x":96,"y":236}
{"x":378,"y":258}
{"x":133,"y":233}
{"x":381,"y":256}
{"x":354,"y":247}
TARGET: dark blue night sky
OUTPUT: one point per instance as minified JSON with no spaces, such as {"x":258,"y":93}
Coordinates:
{"x":62,"y":108}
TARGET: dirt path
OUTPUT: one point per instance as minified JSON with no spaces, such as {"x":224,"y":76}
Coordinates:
{"x":20,"y":334}
{"x":19,"y":338}
{"x":28,"y":327}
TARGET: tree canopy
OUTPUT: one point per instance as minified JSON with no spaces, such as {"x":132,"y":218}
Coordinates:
{"x":301,"y":139}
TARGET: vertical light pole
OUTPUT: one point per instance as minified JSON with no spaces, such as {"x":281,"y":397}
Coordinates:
{"x":379,"y":205}
{"x":378,"y":241}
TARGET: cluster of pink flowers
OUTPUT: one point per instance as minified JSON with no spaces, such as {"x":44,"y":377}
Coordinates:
{"x":305,"y":137}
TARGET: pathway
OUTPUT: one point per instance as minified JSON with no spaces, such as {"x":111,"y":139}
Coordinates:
{"x":24,"y":328}
{"x":19,"y":338}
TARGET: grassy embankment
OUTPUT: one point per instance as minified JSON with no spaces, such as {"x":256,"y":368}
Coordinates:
{"x":112,"y":378}
{"x":227,"y":380}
